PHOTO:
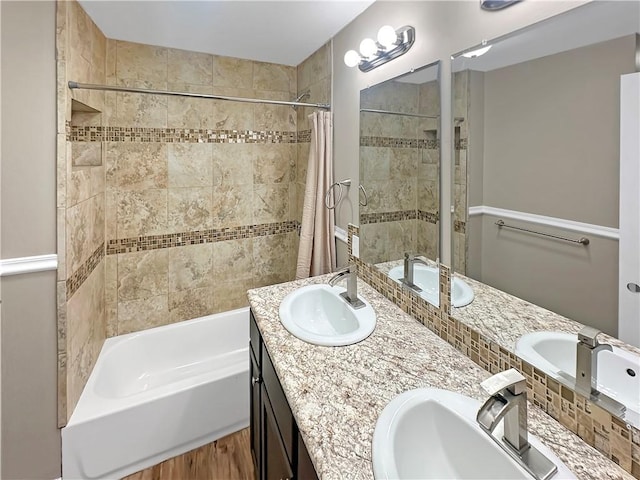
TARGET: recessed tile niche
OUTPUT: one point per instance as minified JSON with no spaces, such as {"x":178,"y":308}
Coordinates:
{"x":85,"y":154}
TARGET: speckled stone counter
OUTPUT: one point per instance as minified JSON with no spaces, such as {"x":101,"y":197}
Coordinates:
{"x":504,"y":318}
{"x":337,"y":393}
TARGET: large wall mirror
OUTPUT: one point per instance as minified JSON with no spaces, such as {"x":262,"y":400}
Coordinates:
{"x":399,"y":171}
{"x":537,"y":174}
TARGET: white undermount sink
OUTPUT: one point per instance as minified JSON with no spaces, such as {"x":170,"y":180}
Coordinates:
{"x":618,"y":374}
{"x":428,"y":279}
{"x":318,"y":315}
{"x":430,"y":433}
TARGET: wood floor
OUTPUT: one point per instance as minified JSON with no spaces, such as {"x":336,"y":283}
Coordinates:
{"x":226,"y":459}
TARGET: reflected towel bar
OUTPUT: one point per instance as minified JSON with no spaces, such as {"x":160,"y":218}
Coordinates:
{"x":582,"y":240}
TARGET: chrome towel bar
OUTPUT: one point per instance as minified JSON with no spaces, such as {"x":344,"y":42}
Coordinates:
{"x":582,"y":240}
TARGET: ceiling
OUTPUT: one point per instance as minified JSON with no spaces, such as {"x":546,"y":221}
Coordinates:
{"x":284,"y":32}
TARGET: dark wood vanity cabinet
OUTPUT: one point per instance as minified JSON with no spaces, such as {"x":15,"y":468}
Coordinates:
{"x":276,"y":446}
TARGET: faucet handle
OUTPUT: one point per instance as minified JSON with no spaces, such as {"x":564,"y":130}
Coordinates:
{"x":510,"y":379}
{"x":587,"y":335}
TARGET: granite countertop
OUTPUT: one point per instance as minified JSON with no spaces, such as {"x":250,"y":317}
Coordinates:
{"x":337,"y":393}
{"x":503,"y":318}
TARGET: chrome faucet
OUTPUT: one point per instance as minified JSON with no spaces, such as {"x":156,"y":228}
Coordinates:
{"x":410,"y":260}
{"x":351,"y":295}
{"x":508,"y":402}
{"x":587,"y":359}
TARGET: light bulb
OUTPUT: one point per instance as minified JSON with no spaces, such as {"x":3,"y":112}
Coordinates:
{"x":368,"y":48}
{"x":387,"y":36}
{"x":351,"y":58}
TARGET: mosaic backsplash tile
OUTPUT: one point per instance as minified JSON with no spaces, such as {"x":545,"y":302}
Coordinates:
{"x":395,"y":142}
{"x":383,"y":217}
{"x":82,"y":273}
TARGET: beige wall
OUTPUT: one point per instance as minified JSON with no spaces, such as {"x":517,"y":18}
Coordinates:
{"x":442,"y":28}
{"x":567,"y":169}
{"x":551,"y":124}
{"x":31,"y":441}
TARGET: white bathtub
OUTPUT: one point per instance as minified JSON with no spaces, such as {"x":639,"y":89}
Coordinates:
{"x":160,"y":393}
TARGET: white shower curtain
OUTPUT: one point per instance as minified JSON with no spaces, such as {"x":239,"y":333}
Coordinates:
{"x":317,"y":252}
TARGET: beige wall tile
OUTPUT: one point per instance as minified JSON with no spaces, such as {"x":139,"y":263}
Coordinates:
{"x":78,"y":185}
{"x":61,"y":242}
{"x":136,"y":315}
{"x":111,"y":279}
{"x":280,"y":118}
{"x":228,"y":115}
{"x":188,"y":304}
{"x":141,"y":213}
{"x":189,"y":67}
{"x":140,"y":110}
{"x":79,"y":232}
{"x":137,"y":166}
{"x":189,"y":209}
{"x":97,"y":180}
{"x":190,"y":267}
{"x":274,"y":163}
{"x":230,"y":295}
{"x":97,"y":230}
{"x":86,"y":153}
{"x":232,"y":72}
{"x":191,"y":164}
{"x":403,"y":162}
{"x":232,"y":205}
{"x":316,"y":66}
{"x":187,"y":112}
{"x":272,"y":258}
{"x":271,"y":76}
{"x":270,"y":203}
{"x":141,"y":62}
{"x":233,"y":259}
{"x":375,"y":163}
{"x":111,"y":215}
{"x":142,"y":275}
{"x":233,"y":163}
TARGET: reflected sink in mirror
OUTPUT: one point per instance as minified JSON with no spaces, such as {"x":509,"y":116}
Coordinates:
{"x":433,"y":433}
{"x":318,"y":315}
{"x":428,"y":279}
{"x":618,"y":374}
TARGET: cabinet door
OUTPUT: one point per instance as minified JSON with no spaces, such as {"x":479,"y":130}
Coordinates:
{"x":275,"y":462}
{"x":254,"y":413}
{"x":305,"y":469}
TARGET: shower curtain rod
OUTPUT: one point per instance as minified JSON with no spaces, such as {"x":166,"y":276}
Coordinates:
{"x":113,"y":88}
{"x":371,"y":110}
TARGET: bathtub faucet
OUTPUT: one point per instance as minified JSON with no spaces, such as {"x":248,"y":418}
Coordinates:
{"x":351,"y":295}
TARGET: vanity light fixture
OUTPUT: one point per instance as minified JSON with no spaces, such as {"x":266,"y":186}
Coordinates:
{"x":390,"y":44}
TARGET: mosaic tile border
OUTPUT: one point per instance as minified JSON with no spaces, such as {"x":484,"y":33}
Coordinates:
{"x":82,"y":273}
{"x":155,"y":242}
{"x":459,"y":226}
{"x":304,"y":136}
{"x":398,"y":215}
{"x":609,"y":435}
{"x":461,"y":144}
{"x":177,"y":135}
{"x":395,"y":142}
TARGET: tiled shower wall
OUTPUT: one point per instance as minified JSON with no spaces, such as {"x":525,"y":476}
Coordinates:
{"x":398,"y":154}
{"x":173,"y":207}
{"x":461,"y":86}
{"x":81,"y":53}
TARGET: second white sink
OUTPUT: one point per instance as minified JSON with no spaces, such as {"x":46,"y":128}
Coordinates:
{"x":428,"y":279}
{"x":317,"y":314}
{"x":430,"y":433}
{"x":618,"y":374}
